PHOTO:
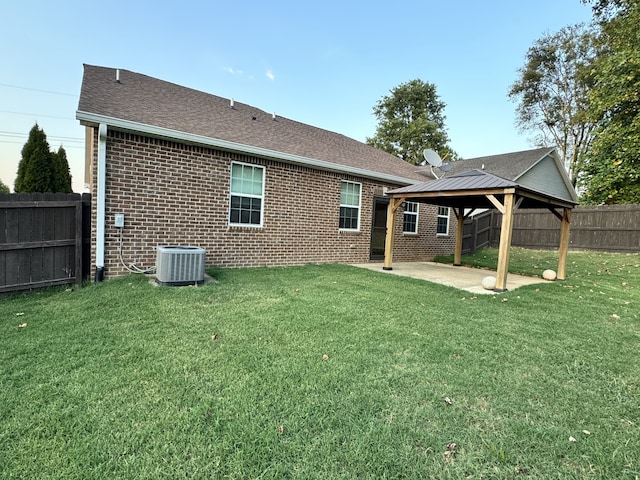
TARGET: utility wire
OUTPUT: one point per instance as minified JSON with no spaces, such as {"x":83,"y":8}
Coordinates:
{"x":66,"y":147}
{"x":38,"y":90}
{"x":37,"y":115}
{"x":52,"y":137}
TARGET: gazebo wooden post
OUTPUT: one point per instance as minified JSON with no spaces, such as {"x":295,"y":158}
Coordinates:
{"x":457,"y":256}
{"x":394,"y":203}
{"x":505,"y":243}
{"x":564,"y":244}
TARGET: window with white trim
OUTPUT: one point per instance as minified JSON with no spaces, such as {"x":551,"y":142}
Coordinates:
{"x":410,"y":222}
{"x":350,"y":205}
{"x":247,"y":195}
{"x":443,"y":221}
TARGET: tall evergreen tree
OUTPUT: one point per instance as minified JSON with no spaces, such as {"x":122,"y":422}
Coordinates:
{"x":39,"y":169}
{"x":61,"y":175}
{"x":3,"y":187}
{"x":34,"y":169}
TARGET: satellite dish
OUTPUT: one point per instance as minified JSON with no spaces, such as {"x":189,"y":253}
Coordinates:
{"x":445,"y":167}
{"x":432,"y":157}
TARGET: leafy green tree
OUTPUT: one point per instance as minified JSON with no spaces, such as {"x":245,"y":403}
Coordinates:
{"x":552,"y":94}
{"x":4,"y":188}
{"x":613,"y":162}
{"x":39,"y":169}
{"x":605,"y":9}
{"x":410,"y":120}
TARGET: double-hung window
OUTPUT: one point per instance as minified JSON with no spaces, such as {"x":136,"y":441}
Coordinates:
{"x":247,"y":194}
{"x":350,"y":206}
{"x":443,"y":221}
{"x":410,"y":223}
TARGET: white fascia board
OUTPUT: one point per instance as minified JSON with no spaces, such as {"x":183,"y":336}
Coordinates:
{"x":169,"y":134}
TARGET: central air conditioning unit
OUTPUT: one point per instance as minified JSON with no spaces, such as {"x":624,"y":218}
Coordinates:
{"x":176,"y":266}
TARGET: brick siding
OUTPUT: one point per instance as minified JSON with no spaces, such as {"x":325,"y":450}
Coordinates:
{"x":177,"y":194}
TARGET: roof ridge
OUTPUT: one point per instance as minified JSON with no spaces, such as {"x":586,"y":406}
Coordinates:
{"x":520,"y":152}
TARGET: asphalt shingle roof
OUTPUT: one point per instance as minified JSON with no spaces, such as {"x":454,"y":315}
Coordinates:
{"x":143,"y":103}
{"x":510,"y":166}
{"x":152,"y":102}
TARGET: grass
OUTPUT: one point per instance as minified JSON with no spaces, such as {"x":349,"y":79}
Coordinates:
{"x":128,"y":380}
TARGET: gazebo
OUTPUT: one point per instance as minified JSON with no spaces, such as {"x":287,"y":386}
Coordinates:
{"x":529,"y":179}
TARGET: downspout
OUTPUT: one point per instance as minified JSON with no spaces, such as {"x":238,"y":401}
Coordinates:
{"x":100,"y":201}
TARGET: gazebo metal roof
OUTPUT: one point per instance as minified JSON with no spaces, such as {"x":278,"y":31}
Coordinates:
{"x":470,"y":189}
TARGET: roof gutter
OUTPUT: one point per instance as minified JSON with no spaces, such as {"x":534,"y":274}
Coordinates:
{"x":94,"y":119}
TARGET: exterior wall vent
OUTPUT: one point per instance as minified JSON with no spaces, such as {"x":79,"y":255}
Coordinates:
{"x":177,"y":265}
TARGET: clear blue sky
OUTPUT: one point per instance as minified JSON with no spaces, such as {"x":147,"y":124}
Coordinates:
{"x":321,"y":63}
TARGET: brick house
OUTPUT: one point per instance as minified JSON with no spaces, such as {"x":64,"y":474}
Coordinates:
{"x":252,"y":188}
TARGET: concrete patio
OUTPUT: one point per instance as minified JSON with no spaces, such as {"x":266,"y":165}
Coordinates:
{"x":463,"y":278}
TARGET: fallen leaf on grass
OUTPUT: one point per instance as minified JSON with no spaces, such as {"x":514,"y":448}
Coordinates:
{"x":22,"y":325}
{"x":504,"y":300}
{"x":586,"y":432}
{"x":19,"y":314}
{"x":281,"y":429}
{"x":325,"y":357}
{"x":448,"y":401}
{"x":572,"y":439}
{"x":450,"y":450}
{"x":214,"y":336}
{"x":614,"y":317}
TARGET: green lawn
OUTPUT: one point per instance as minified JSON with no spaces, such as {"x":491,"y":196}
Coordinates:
{"x":128,"y":380}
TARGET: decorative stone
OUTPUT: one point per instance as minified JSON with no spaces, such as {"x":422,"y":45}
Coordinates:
{"x":489,"y":283}
{"x":549,"y":275}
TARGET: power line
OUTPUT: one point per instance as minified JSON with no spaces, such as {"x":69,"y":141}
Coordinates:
{"x":22,"y":143}
{"x":52,"y":137}
{"x":36,"y":115}
{"x":38,"y":90}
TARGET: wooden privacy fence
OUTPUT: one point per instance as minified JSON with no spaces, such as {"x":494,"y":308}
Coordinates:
{"x":44,"y":240}
{"x":611,"y":228}
{"x":477,"y":232}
